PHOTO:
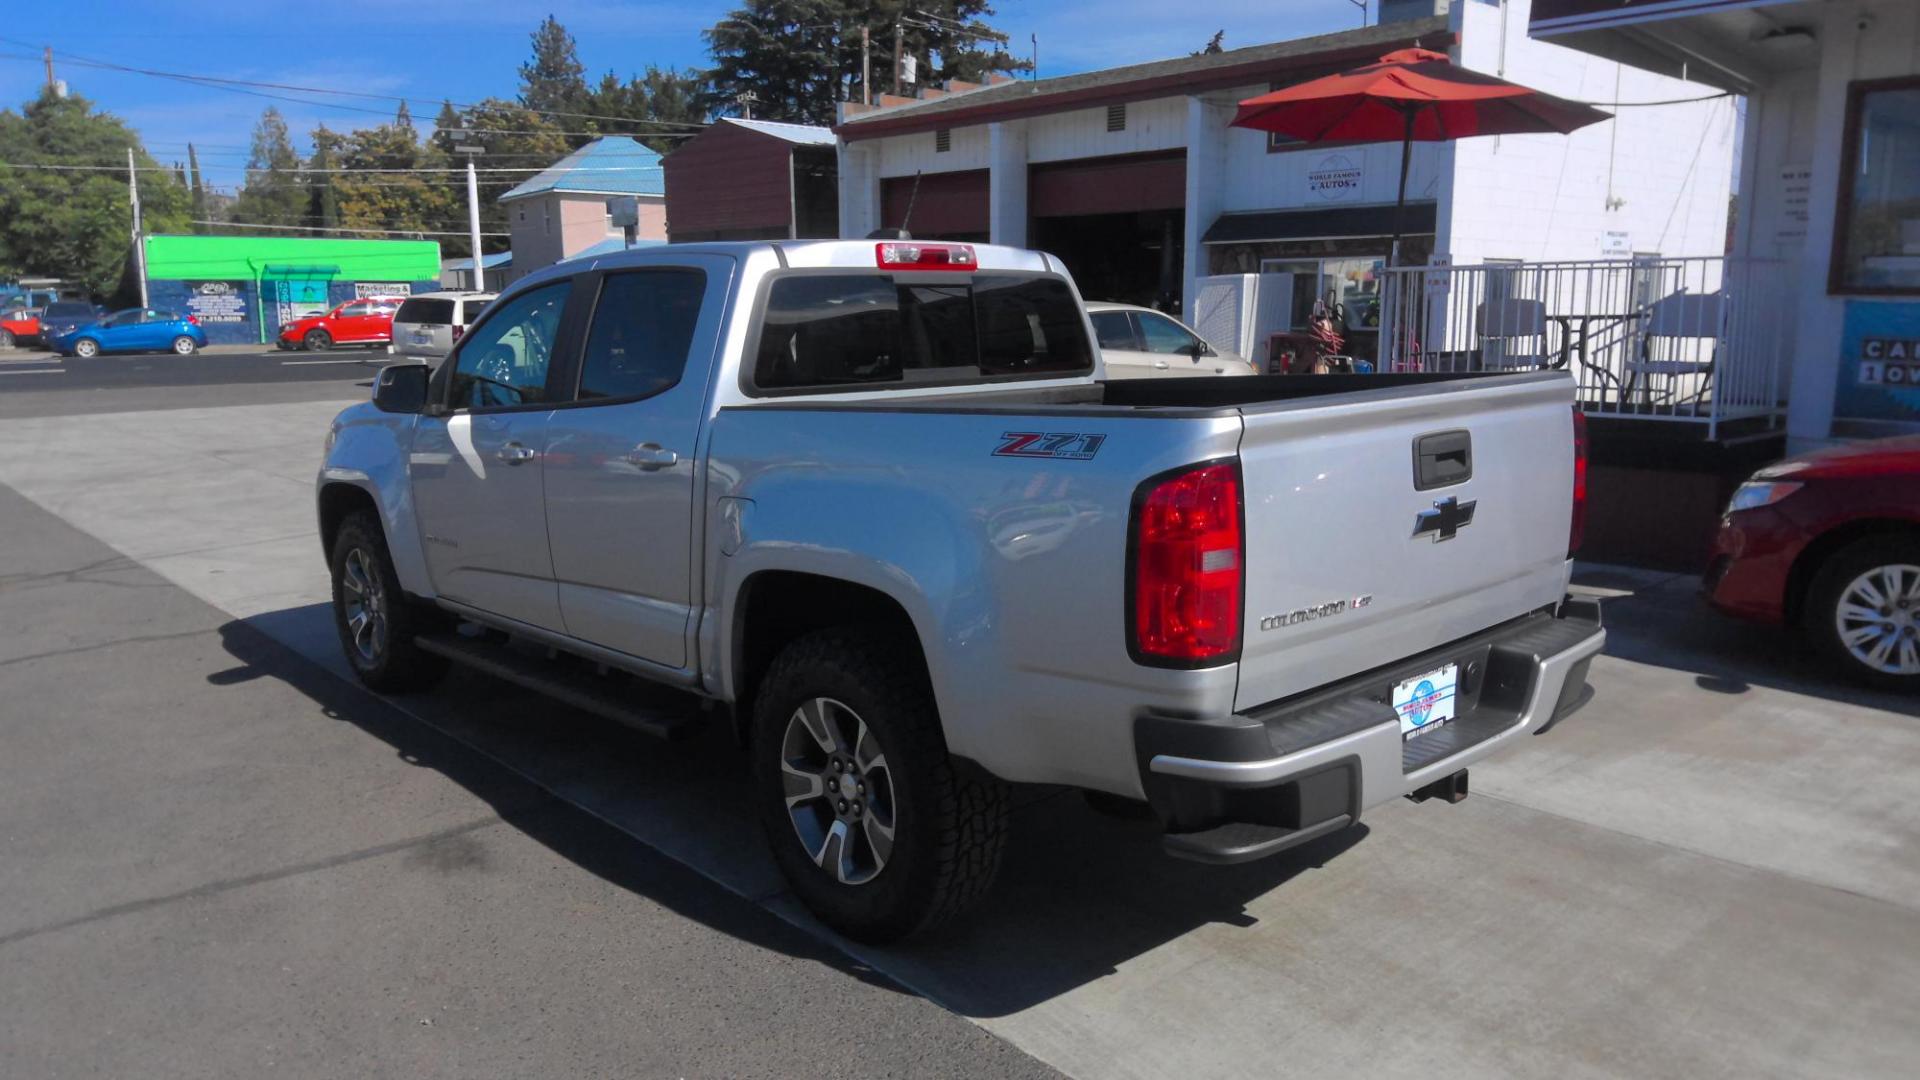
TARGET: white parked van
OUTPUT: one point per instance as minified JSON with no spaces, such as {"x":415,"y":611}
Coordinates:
{"x":428,"y":325}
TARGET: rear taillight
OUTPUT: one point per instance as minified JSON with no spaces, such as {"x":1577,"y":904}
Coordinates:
{"x":194,"y":320}
{"x":458,"y":330}
{"x":1185,"y":578}
{"x":1578,"y":531}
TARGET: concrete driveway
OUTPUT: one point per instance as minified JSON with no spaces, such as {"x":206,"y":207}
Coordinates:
{"x":1712,"y":870}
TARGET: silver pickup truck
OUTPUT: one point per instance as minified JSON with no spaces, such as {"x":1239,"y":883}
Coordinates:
{"x":874,"y":505}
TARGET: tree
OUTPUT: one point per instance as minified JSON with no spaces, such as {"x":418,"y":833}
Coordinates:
{"x":388,"y":185}
{"x":512,"y":137}
{"x":76,"y":225}
{"x":651,"y":107}
{"x":799,"y":57}
{"x":198,"y":189}
{"x":323,"y":198}
{"x":553,"y":82}
{"x":403,"y":118}
{"x":273,"y":193}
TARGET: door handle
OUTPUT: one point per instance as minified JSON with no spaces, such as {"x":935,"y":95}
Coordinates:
{"x":515,"y":453}
{"x":652,"y":456}
{"x":1160,"y":365}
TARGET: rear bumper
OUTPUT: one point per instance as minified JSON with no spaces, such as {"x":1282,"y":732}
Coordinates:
{"x":1261,"y":782}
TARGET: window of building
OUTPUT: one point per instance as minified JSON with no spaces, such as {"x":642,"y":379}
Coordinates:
{"x":1877,"y":230}
{"x":642,"y":330}
{"x":1116,"y":117}
{"x":546,"y":219}
{"x":942,"y":141}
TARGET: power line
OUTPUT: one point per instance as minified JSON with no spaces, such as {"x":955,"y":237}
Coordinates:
{"x":218,"y":81}
{"x":317,"y":228}
{"x":299,"y":170}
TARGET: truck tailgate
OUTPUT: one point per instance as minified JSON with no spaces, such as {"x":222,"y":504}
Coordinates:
{"x":1343,"y":571}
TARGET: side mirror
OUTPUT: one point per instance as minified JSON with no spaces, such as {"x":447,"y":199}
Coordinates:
{"x":1198,"y":349}
{"x":401,"y":388}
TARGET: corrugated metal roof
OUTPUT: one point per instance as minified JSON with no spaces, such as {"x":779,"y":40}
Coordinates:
{"x":492,"y":262}
{"x":1197,"y":69}
{"x":610,"y":165}
{"x":611,"y":245}
{"x":801,"y":134}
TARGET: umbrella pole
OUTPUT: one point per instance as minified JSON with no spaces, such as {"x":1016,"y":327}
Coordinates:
{"x":1400,"y":204}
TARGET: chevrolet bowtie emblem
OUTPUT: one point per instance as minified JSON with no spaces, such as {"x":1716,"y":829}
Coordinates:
{"x":1448,"y":517}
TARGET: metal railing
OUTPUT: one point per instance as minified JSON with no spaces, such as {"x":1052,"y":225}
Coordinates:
{"x":1695,"y":340}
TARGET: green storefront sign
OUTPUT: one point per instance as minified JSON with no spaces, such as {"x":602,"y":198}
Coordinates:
{"x":289,"y":275}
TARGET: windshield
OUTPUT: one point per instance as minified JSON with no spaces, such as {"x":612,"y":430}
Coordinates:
{"x":823,"y":330}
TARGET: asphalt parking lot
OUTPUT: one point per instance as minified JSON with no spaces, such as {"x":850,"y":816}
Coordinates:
{"x":221,"y":857}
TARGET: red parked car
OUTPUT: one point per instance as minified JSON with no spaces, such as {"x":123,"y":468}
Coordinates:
{"x":366,"y":321}
{"x":18,"y":326}
{"x":1830,"y":541}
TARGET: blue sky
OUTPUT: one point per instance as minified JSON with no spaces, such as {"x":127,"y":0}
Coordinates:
{"x":472,"y":49}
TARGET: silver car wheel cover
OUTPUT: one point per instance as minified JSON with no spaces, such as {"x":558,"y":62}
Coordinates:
{"x":1878,"y":619}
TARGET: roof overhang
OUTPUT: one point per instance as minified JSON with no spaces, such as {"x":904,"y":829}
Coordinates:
{"x":515,"y":197}
{"x":1320,"y":223}
{"x":1005,"y":102}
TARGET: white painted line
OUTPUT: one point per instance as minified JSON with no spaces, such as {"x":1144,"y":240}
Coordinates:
{"x":37,"y":371}
{"x":299,"y":363}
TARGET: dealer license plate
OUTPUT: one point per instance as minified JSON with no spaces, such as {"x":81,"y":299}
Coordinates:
{"x":1425,"y":702}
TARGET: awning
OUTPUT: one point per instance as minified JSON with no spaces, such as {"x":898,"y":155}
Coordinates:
{"x":277,"y":271}
{"x":1319,"y":223}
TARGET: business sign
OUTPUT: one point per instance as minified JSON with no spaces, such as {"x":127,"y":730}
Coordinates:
{"x":1335,"y":178}
{"x":215,"y":302}
{"x":364,"y":289}
{"x":1795,"y":186}
{"x":1879,"y":362}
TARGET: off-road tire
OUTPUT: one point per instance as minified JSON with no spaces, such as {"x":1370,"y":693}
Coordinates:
{"x":1830,"y":584}
{"x":317,"y":341}
{"x":950,"y":817}
{"x":400,"y":666}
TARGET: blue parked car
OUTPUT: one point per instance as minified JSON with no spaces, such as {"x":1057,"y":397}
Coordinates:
{"x":133,"y":330}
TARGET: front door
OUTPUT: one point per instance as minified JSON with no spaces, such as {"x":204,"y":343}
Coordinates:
{"x":478,"y":471}
{"x":620,"y":465}
{"x":350,"y":322}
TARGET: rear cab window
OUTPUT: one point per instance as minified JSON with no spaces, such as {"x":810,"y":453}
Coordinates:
{"x":822,"y":331}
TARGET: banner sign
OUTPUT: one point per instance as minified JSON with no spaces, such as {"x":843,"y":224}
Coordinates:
{"x":214,"y":302}
{"x":364,"y":289}
{"x":1879,"y":362}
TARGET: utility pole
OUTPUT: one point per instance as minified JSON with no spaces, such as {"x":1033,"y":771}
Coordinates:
{"x":745,"y":99}
{"x":473,"y":213}
{"x":866,"y":65}
{"x":139,"y":241}
{"x":897,"y":40}
{"x":47,"y":54}
{"x":1362,"y":5}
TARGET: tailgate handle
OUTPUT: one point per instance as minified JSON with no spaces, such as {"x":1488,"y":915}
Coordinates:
{"x":1441,"y":459}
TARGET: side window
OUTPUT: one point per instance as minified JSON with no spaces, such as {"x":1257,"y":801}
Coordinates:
{"x":505,"y":360}
{"x":355,"y":309}
{"x":1163,"y":335}
{"x":642,"y":329}
{"x":1113,"y":330}
{"x":124,"y":318}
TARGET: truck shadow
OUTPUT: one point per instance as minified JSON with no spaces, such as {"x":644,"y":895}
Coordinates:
{"x":1079,"y":895}
{"x":1663,"y":622}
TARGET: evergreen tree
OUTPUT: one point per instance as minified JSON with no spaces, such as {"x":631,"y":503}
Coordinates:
{"x":403,"y":118}
{"x":198,"y":189}
{"x":552,"y":82}
{"x":76,"y":225}
{"x":446,"y":127}
{"x":273,"y":194}
{"x":323,"y":198}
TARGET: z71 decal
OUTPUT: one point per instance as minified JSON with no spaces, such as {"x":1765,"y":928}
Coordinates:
{"x":1071,"y":446}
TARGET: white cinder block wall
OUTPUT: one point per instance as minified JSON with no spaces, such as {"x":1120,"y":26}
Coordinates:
{"x":1661,"y":175}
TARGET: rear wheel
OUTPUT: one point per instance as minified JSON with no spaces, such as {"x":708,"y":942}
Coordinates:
{"x":374,"y":618}
{"x":1864,"y":610}
{"x":86,"y":347}
{"x":184,"y":345}
{"x":317,"y":341}
{"x":880,"y":832}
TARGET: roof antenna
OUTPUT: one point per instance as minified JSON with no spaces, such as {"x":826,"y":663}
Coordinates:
{"x":912,"y":197}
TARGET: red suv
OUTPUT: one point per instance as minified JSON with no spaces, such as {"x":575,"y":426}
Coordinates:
{"x":1830,"y":541}
{"x":366,"y":321}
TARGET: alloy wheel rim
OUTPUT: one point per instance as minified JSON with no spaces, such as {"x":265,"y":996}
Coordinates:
{"x":1878,"y":619}
{"x":85,"y":348}
{"x":364,"y":604}
{"x":183,"y":346}
{"x":838,"y":789}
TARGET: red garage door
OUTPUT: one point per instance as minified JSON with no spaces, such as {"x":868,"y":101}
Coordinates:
{"x":951,"y":205}
{"x":1109,"y":185}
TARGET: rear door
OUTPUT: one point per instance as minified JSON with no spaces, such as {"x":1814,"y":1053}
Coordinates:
{"x":1382,"y":523}
{"x":620,"y":465}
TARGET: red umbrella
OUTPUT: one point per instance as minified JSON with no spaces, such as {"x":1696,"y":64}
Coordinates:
{"x":1410,"y":94}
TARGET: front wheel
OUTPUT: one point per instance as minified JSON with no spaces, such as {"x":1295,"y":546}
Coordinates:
{"x":1864,"y":611}
{"x":184,"y":345}
{"x":375,"y":620}
{"x":86,"y":348}
{"x":317,"y":341}
{"x":880,"y":832}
